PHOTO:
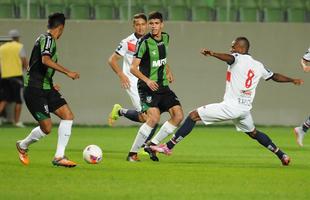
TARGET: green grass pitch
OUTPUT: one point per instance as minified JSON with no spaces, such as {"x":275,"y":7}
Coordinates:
{"x":211,"y":163}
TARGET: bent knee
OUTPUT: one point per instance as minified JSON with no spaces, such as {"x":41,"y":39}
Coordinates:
{"x":47,"y":129}
{"x":178,"y":118}
{"x":194,"y":115}
{"x":68,"y":116}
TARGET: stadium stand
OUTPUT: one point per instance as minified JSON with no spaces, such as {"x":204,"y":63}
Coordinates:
{"x":104,"y":9}
{"x":135,"y":7}
{"x":79,"y":9}
{"x":202,"y":10}
{"x":155,"y":5}
{"x":273,"y":11}
{"x":7,"y":9}
{"x":224,"y":11}
{"x":35,"y":9}
{"x":51,"y":6}
{"x":296,"y":10}
{"x":248,"y":10}
{"x":174,"y":10}
{"x":178,"y":10}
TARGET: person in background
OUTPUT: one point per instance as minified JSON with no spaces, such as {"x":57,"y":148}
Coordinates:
{"x":12,"y":61}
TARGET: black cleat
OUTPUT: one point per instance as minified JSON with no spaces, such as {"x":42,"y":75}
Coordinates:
{"x":151,"y":153}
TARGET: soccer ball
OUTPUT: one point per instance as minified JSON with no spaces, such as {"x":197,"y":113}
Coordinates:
{"x":92,"y":154}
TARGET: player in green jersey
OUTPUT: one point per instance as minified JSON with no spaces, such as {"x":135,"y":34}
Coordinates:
{"x":42,"y":96}
{"x":150,"y":67}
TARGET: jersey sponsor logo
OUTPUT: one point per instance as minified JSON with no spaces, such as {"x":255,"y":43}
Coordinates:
{"x":131,"y":47}
{"x":246,"y":92}
{"x":148,"y":99}
{"x":158,"y":63}
{"x":160,"y":43}
{"x":46,"y":109}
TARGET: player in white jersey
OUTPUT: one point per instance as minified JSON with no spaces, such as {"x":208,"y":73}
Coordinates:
{"x":300,"y":131}
{"x":243,"y":75}
{"x":126,"y":50}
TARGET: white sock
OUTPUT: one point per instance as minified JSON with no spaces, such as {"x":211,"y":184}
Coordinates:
{"x":64,"y":132}
{"x":165,"y":130}
{"x":142,"y":135}
{"x":35,"y":135}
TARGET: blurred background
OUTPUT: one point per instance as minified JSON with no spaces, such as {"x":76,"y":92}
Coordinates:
{"x":277,"y":29}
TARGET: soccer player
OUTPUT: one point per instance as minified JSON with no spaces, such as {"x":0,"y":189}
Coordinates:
{"x":300,"y":131}
{"x":150,"y":67}
{"x":126,"y":50}
{"x":243,"y":75}
{"x":42,"y":96}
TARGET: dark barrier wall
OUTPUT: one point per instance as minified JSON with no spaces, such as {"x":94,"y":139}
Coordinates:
{"x":86,"y":45}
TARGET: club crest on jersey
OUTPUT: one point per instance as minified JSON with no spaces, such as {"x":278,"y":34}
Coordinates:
{"x":148,"y":99}
{"x":158,"y":63}
{"x":46,"y":109}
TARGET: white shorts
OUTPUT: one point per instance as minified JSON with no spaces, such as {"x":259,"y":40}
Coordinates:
{"x":219,"y":112}
{"x":134,"y":96}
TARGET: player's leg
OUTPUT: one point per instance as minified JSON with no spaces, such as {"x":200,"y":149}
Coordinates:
{"x":180,"y":134}
{"x":4,"y":95}
{"x":169,"y":126}
{"x":60,"y":108}
{"x":153,"y":117}
{"x":245,"y":123}
{"x":208,"y":114}
{"x":167,"y":101}
{"x":17,"y":90}
{"x":131,"y":114}
{"x":300,"y":131}
{"x":37,"y":105}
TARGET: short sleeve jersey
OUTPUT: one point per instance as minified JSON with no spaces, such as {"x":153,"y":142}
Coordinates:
{"x":153,"y":55}
{"x":307,"y":55}
{"x":38,"y":74}
{"x":127,"y":49}
{"x":242,"y":79}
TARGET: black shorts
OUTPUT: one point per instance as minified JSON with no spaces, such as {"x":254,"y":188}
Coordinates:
{"x":41,"y":102}
{"x":163,"y":99}
{"x":12,"y":89}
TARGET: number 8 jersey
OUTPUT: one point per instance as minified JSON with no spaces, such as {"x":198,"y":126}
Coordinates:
{"x":242,"y":78}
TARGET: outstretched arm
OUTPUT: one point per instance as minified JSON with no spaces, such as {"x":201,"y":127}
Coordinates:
{"x":135,"y":71}
{"x":305,"y":65}
{"x":113,"y":62}
{"x":221,"y":56}
{"x":46,"y":60}
{"x":284,"y":79}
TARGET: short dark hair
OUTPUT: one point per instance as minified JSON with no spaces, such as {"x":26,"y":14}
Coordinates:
{"x":156,"y":15}
{"x":245,"y":42}
{"x":55,"y":20}
{"x":139,"y":16}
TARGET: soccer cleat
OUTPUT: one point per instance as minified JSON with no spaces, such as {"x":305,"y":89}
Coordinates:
{"x":162,"y":148}
{"x":22,"y":153}
{"x":113,"y":116}
{"x":133,"y":158}
{"x":64,"y":162}
{"x":151,"y":153}
{"x":142,"y":152}
{"x":299,"y":135}
{"x":285,"y":160}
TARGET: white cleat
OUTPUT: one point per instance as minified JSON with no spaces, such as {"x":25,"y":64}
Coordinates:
{"x":299,"y":135}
